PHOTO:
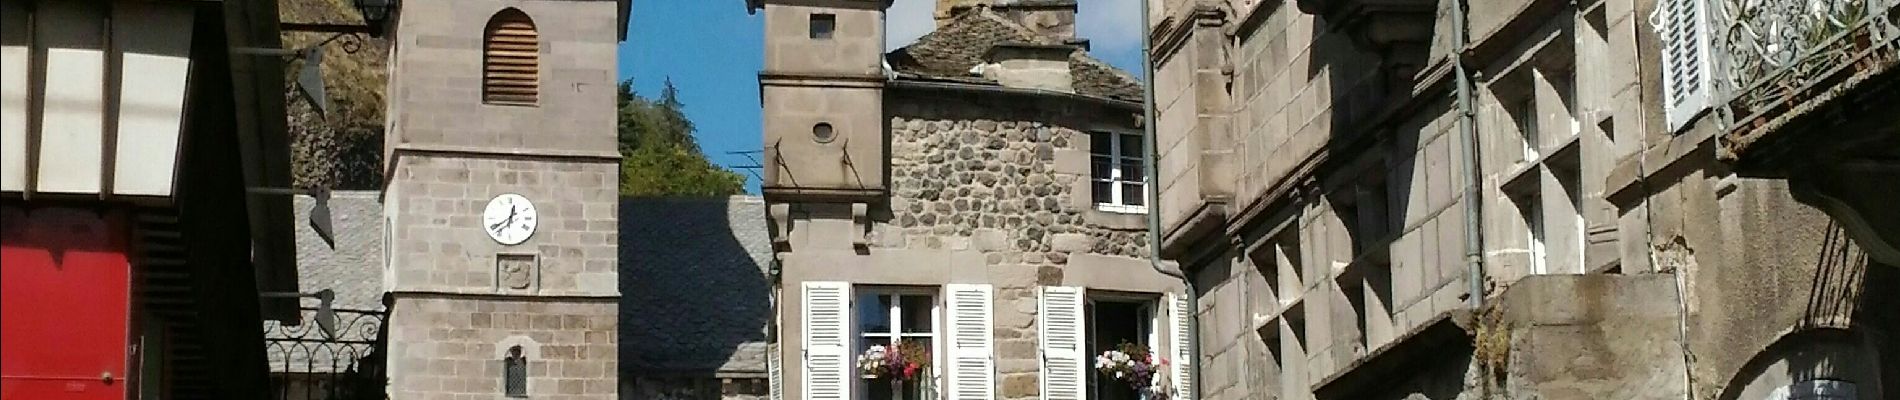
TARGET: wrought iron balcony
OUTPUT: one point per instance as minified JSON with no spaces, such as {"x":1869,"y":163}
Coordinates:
{"x":341,"y":362}
{"x":1811,"y":87}
{"x":1783,"y":59}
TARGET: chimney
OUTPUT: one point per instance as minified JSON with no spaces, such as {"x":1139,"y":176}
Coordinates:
{"x":1053,"y":21}
{"x":1030,"y":66}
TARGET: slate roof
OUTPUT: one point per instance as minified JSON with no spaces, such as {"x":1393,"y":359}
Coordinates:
{"x":694,"y":292}
{"x":948,"y":53}
{"x":354,"y":270}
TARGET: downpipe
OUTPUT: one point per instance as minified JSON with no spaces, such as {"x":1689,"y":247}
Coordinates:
{"x":1468,"y":131}
{"x":1152,"y":176}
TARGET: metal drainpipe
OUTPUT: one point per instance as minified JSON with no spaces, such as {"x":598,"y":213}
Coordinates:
{"x":1468,"y":129}
{"x":1151,"y":176}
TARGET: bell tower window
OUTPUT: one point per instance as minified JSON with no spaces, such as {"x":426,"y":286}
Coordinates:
{"x":511,"y":59}
{"x":822,"y":25}
{"x":515,"y":373}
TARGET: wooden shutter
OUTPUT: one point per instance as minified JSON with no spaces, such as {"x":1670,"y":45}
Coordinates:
{"x":511,"y":59}
{"x":1064,"y":359}
{"x":972,"y":361}
{"x":827,"y":341}
{"x":1683,"y":27}
{"x":774,"y":372}
{"x":1181,"y":330}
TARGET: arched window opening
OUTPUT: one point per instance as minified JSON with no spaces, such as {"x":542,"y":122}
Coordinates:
{"x":515,"y":373}
{"x":511,"y":59}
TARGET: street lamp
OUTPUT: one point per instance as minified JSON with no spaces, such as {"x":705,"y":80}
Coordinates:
{"x":375,"y":14}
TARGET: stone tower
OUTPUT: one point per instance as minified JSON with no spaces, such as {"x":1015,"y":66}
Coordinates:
{"x":498,"y":107}
{"x":822,"y":90}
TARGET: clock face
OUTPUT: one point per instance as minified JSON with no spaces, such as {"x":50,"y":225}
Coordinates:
{"x":509,"y":219}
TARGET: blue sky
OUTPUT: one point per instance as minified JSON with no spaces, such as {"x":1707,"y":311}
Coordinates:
{"x":711,"y":50}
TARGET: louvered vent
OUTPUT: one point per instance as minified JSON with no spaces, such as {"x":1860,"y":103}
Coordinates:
{"x":511,"y":60}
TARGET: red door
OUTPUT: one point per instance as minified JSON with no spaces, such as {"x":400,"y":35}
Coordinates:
{"x":65,"y":288}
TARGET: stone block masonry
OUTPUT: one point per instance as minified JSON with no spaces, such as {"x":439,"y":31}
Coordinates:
{"x":454,"y":348}
{"x":438,"y":246}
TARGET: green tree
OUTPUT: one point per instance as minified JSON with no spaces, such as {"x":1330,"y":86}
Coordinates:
{"x":659,"y":156}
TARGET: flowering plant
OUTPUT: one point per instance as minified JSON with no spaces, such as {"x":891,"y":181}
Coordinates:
{"x":903,"y":361}
{"x":1130,"y":363}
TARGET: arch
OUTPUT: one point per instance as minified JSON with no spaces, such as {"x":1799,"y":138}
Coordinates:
{"x":511,"y":59}
{"x":1803,"y":355}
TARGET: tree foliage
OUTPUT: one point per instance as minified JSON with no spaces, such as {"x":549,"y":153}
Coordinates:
{"x":659,"y":156}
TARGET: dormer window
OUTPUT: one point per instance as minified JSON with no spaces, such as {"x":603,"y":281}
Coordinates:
{"x":822,"y":25}
{"x":511,"y":59}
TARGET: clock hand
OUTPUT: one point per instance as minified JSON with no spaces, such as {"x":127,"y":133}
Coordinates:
{"x":505,"y":222}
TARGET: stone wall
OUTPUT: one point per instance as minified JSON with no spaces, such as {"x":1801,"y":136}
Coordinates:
{"x":995,"y":185}
{"x":435,"y":89}
{"x":456,"y":306}
{"x":435,"y":209}
{"x":987,"y":187}
{"x":451,"y":347}
{"x":973,"y":176}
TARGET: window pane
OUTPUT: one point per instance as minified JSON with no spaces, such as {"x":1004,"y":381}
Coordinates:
{"x":1101,"y":192}
{"x":916,"y":311}
{"x":1131,"y":194}
{"x":1131,"y":145}
{"x":874,"y":313}
{"x":1099,"y":167}
{"x":1131,"y":170}
{"x":1099,"y":143}
{"x":822,"y":25}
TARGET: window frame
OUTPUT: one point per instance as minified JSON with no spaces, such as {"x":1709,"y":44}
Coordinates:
{"x":1148,"y":328}
{"x":812,"y":23}
{"x":1118,"y":200}
{"x":896,"y":333}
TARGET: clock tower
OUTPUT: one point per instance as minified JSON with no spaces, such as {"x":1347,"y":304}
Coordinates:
{"x":501,"y":203}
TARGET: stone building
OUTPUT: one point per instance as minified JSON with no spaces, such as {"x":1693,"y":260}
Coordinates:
{"x":500,"y":203}
{"x":1531,"y":199}
{"x":979,"y":197}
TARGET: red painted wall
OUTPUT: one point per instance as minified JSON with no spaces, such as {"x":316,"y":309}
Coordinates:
{"x":65,"y":287}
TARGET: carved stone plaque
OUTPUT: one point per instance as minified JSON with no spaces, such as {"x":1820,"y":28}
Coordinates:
{"x":515,"y":271}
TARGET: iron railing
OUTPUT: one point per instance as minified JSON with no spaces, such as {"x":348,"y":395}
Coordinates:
{"x":308,"y":363}
{"x":1774,"y":51}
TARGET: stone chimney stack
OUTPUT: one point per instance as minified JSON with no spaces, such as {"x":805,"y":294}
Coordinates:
{"x":1053,"y":21}
{"x":1030,"y":66}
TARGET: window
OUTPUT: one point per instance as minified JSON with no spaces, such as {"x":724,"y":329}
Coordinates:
{"x":1116,"y":172}
{"x":1110,"y":324}
{"x":511,"y":59}
{"x":894,"y":317}
{"x":1527,"y":126}
{"x":1532,"y":207}
{"x":515,"y":373}
{"x":1816,"y":389}
{"x":1075,"y":326}
{"x":823,"y":25}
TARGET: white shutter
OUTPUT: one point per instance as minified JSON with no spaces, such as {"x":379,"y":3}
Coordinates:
{"x":972,"y":337}
{"x":1181,"y":330}
{"x":828,"y":363}
{"x":774,"y":373}
{"x":1683,"y":28}
{"x":1064,"y":360}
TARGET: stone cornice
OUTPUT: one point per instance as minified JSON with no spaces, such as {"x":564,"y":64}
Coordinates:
{"x":1171,"y":34}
